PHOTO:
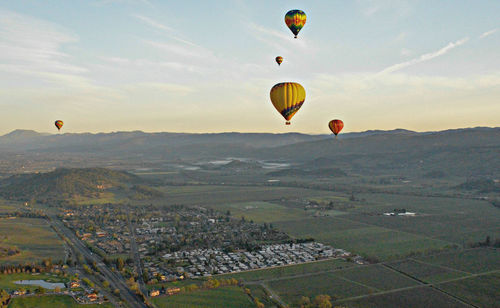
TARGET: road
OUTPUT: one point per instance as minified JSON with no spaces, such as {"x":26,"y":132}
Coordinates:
{"x":136,"y":257}
{"x":115,"y":280}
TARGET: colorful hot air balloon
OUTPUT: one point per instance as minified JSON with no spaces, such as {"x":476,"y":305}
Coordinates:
{"x":295,"y":21}
{"x":279,"y":60}
{"x":59,"y":124}
{"x":336,"y":126}
{"x":287,"y":98}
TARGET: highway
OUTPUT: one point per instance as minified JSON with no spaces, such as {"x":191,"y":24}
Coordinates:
{"x":137,"y":257}
{"x":115,"y":280}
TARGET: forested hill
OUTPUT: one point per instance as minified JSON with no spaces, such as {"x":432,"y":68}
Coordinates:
{"x":63,"y":184}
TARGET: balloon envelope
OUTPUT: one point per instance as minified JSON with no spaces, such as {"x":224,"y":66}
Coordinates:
{"x":279,"y":60}
{"x":287,"y":98}
{"x":336,"y":126}
{"x":59,"y":124}
{"x":295,"y":21}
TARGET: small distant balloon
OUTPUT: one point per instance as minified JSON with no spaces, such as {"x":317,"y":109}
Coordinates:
{"x":336,"y":126}
{"x":59,"y":124}
{"x":295,"y":21}
{"x":287,"y":98}
{"x":279,"y":60}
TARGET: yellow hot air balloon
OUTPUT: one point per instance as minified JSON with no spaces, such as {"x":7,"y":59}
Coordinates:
{"x":287,"y":98}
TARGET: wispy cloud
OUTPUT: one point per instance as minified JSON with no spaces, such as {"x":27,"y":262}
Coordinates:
{"x":157,"y":25}
{"x":488,"y":33}
{"x":33,"y":47}
{"x":424,"y":57}
{"x":399,"y":8}
{"x":276,"y":38}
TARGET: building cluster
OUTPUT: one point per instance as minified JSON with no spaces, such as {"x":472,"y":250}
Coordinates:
{"x":212,"y":261}
{"x":109,"y":233}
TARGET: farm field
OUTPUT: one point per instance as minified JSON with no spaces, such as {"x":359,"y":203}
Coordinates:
{"x":33,"y":237}
{"x":477,"y":260}
{"x":359,"y":238}
{"x":482,"y":290}
{"x":450,"y":219}
{"x":292,"y":289}
{"x":260,"y":211}
{"x":228,"y":194}
{"x":377,"y":277}
{"x":426,"y":272}
{"x":230,"y":297}
{"x":51,"y":301}
{"x":7,"y":281}
{"x":259,"y":292}
{"x":291,"y":270}
{"x":424,"y":297}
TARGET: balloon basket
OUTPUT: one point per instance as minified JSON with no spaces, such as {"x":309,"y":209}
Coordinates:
{"x":287,"y":123}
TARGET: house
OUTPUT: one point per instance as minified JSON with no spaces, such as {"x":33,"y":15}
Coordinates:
{"x":92,"y":297}
{"x":172,"y":291}
{"x":74,"y":284}
{"x":154,"y":293}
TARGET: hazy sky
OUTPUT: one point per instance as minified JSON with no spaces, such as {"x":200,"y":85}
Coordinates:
{"x":208,"y":66}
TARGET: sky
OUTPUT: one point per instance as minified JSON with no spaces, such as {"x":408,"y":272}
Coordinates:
{"x":208,"y":66}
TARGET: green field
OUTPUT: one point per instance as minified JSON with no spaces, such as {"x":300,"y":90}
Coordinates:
{"x":377,"y":277}
{"x":483,"y":291}
{"x":361,"y":238}
{"x":291,"y":270}
{"x":33,"y":237}
{"x":424,"y":297}
{"x":7,"y":281}
{"x":478,"y":260}
{"x":260,"y":211}
{"x":426,"y":272}
{"x":449,"y":219}
{"x":292,"y":289}
{"x":230,"y":297}
{"x":258,"y":292}
{"x":228,"y":194}
{"x":50,"y":301}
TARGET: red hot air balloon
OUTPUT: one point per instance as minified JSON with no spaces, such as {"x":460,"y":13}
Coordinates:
{"x":59,"y":124}
{"x":279,"y":60}
{"x":336,"y":126}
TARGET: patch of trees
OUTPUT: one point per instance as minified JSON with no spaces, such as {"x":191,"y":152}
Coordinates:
{"x":488,"y":242}
{"x":42,"y":267}
{"x":320,"y":301}
{"x":482,"y":185}
{"x":4,"y":298}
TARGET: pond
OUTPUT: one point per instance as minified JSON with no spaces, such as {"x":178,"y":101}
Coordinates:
{"x":42,"y":283}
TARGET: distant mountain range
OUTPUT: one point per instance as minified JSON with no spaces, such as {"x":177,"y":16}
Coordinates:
{"x":469,"y":151}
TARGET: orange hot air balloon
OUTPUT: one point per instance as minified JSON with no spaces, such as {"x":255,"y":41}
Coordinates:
{"x":279,"y":60}
{"x":59,"y":124}
{"x":336,"y":126}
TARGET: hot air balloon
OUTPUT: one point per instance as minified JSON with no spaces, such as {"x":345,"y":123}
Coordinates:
{"x":295,"y":20}
{"x":59,"y":124}
{"x":287,"y":98}
{"x":279,"y":60}
{"x":336,"y":126}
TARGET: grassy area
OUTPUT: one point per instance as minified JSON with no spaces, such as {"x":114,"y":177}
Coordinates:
{"x":34,"y":238}
{"x":260,"y":211}
{"x":227,"y":194}
{"x":377,"y":277}
{"x":227,"y":297}
{"x":478,"y":260}
{"x":7,"y":281}
{"x":449,"y":219}
{"x":50,"y":301}
{"x":361,"y":238}
{"x":259,"y":292}
{"x":481,"y":290}
{"x":292,"y":289}
{"x":425,"y":297}
{"x":291,"y":270}
{"x":426,"y":272}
